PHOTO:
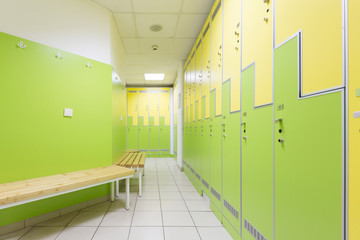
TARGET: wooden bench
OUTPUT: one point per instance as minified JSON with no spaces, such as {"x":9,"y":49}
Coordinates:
{"x":133,"y":160}
{"x":25,"y":191}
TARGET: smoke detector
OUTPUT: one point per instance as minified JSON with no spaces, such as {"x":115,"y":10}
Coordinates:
{"x":155,"y":48}
{"x":156,"y":28}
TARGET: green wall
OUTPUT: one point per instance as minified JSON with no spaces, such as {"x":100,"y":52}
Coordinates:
{"x":35,"y":139}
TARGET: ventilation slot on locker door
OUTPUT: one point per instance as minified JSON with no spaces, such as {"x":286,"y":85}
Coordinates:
{"x":154,"y":150}
{"x":253,"y":231}
{"x":215,"y":193}
{"x":192,"y":170}
{"x":143,"y":150}
{"x":165,"y":150}
{"x":205,"y":184}
{"x":216,"y":10}
{"x":231,"y":209}
{"x":198,"y":176}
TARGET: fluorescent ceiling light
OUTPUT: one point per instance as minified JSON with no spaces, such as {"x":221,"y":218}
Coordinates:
{"x":154,"y":76}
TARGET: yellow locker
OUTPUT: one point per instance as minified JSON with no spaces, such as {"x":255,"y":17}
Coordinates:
{"x":232,"y":50}
{"x":188,"y":91}
{"x":321,"y":25}
{"x":133,"y":105}
{"x":165,"y":105}
{"x":154,"y":105}
{"x":216,"y":54}
{"x":198,"y":75}
{"x":354,"y":123}
{"x":206,"y":66}
{"x":257,"y":46}
{"x":176,"y":99}
{"x":143,"y":105}
{"x":192,"y":85}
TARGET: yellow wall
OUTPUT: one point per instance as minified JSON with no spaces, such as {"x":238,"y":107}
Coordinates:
{"x":216,"y":56}
{"x":354,"y":124}
{"x":232,"y":49}
{"x":322,"y":50}
{"x":258,"y":46}
{"x":132,"y":105}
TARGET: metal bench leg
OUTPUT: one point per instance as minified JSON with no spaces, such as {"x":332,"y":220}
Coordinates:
{"x":117,"y":194}
{"x":140,"y":181}
{"x":112,"y":194}
{"x":127,"y":193}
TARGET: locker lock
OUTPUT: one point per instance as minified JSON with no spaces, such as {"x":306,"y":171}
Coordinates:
{"x":237,"y":34}
{"x":266,"y":20}
{"x":280,"y":140}
{"x":237,"y":48}
{"x":280,"y":130}
{"x":266,"y":1}
{"x":278,"y":120}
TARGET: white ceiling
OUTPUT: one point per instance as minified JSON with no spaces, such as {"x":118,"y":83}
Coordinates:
{"x":181,"y":21}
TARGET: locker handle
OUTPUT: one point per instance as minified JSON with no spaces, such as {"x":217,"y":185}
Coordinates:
{"x":281,"y":140}
{"x":211,"y":134}
{"x":243,"y":123}
{"x":237,"y":48}
{"x":245,"y":137}
{"x":278,"y":120}
{"x":224,"y":135}
{"x":237,"y":34}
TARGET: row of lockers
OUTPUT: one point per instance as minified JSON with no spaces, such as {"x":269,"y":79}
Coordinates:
{"x":265,"y":118}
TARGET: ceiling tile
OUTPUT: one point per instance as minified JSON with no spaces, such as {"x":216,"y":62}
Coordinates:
{"x":173,"y":67}
{"x":183,"y":45}
{"x":116,"y":5}
{"x":134,"y":59}
{"x":165,"y":45}
{"x":155,"y":58}
{"x":125,"y":23}
{"x":133,"y":69}
{"x":131,"y":45}
{"x":167,"y":21}
{"x":197,"y":6}
{"x":155,"y":68}
{"x":157,"y":6}
{"x":190,"y":25}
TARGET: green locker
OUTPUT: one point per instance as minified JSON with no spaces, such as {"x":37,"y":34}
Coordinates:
{"x":153,"y":136}
{"x":191,"y":142}
{"x":197,"y":145}
{"x":164,"y":137}
{"x":308,"y":155}
{"x":231,"y":160}
{"x":143,"y":135}
{"x":132,"y":135}
{"x":257,"y":165}
{"x":215,"y":156}
{"x":205,"y":150}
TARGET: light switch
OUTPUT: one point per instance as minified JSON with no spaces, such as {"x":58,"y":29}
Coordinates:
{"x":68,"y":112}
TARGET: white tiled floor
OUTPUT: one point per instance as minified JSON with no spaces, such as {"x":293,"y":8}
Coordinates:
{"x":170,"y":209}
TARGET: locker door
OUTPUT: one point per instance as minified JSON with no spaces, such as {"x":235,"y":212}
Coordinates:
{"x":197,"y":134}
{"x":154,"y":122}
{"x":308,"y":155}
{"x":216,"y":54}
{"x":205,"y":149}
{"x":354,"y":122}
{"x":257,"y":161}
{"x":143,"y":120}
{"x":132,"y":134}
{"x":231,"y":160}
{"x":197,"y":145}
{"x":164,"y":121}
{"x":215,"y":156}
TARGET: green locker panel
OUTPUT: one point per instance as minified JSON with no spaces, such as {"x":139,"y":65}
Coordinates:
{"x":132,"y":135}
{"x":164,"y":137}
{"x":215,"y":155}
{"x":153,"y":137}
{"x":197,"y":145}
{"x":191,"y":141}
{"x":143,"y":135}
{"x":231,"y":160}
{"x":257,"y":161}
{"x":308,"y":155}
{"x":205,"y":150}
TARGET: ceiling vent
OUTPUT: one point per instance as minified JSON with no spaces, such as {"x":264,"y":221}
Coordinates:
{"x":156,"y":28}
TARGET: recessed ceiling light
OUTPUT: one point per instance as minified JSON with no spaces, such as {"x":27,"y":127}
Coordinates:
{"x":156,"y":28}
{"x":154,"y":76}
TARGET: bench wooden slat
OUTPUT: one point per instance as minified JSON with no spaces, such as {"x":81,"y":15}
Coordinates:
{"x":142,"y":160}
{"x":123,"y":163}
{"x":137,"y":160}
{"x":131,"y":160}
{"x":24,"y":190}
{"x":132,"y":151}
{"x":121,"y":159}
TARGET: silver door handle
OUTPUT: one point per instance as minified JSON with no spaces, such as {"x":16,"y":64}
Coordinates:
{"x":224,"y":135}
{"x":211,"y":134}
{"x":278,"y":120}
{"x":245,"y":137}
{"x":281,"y":140}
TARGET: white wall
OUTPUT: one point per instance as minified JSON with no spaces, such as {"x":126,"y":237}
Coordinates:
{"x":77,"y":26}
{"x":180,"y":82}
